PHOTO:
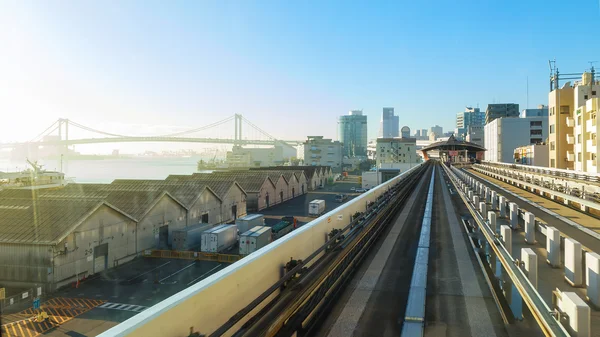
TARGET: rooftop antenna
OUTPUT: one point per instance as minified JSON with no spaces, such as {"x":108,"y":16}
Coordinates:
{"x":553,"y":74}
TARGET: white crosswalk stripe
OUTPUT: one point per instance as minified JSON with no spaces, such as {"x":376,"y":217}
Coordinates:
{"x":124,"y":307}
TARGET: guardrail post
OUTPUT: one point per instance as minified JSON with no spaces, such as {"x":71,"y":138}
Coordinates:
{"x":530,"y":265}
{"x":573,"y":272}
{"x":475,"y":200}
{"x":491,"y":215}
{"x":514,"y":215}
{"x":577,"y":311}
{"x":529,"y":228}
{"x":553,"y":247}
{"x":506,"y":234}
{"x":482,"y":208}
{"x":502,"y":206}
{"x":494,"y":200}
{"x":470,"y":194}
{"x":592,"y":277}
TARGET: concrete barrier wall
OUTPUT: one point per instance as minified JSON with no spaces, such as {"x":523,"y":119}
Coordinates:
{"x":208,"y":304}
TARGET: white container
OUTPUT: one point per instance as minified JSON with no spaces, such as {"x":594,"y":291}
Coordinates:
{"x":249,"y":221}
{"x":254,"y":239}
{"x":316,"y":207}
{"x":189,"y":237}
{"x":218,"y":239}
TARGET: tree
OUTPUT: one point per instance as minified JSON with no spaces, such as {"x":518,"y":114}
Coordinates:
{"x":366,"y":165}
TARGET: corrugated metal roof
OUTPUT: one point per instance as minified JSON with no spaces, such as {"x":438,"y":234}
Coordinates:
{"x":42,"y":221}
{"x":250,"y":181}
{"x":135,"y":203}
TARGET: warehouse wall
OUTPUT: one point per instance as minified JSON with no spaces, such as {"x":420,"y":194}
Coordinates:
{"x":302,"y":182}
{"x":105,"y":225}
{"x":166,"y":212}
{"x":293,"y":185}
{"x":266,"y":189}
{"x":234,"y":196}
{"x":281,"y":186}
{"x":23,"y":264}
{"x":206,"y":203}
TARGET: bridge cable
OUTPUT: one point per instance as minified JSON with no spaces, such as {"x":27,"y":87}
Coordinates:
{"x":45,"y":132}
{"x":228,"y":119}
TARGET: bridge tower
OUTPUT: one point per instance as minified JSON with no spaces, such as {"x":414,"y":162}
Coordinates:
{"x":63,"y":149}
{"x":238,"y":130}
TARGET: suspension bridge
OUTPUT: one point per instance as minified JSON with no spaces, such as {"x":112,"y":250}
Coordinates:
{"x":58,"y":133}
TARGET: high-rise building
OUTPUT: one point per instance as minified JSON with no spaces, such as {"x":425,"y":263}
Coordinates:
{"x":352,"y":132}
{"x":405,"y":132}
{"x":471,"y":116}
{"x":319,"y":151}
{"x":499,"y":110}
{"x":541,"y":111}
{"x":573,"y":127}
{"x":390,"y":124}
{"x":503,"y":135}
{"x":437,"y":130}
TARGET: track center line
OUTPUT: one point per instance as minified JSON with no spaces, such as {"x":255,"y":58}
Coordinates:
{"x":179,"y":271}
{"x":201,"y":276}
{"x":153,"y":269}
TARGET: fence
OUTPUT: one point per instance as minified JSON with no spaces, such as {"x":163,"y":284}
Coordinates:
{"x":191,"y":255}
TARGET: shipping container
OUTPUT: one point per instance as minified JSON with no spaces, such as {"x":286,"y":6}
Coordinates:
{"x":316,"y":207}
{"x":281,"y":228}
{"x":249,"y":221}
{"x":189,"y":238}
{"x":219,"y":238}
{"x":255,"y":239}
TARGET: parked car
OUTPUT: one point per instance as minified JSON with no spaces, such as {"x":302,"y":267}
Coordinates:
{"x":361,"y":190}
{"x":353,"y":189}
{"x":341,"y":198}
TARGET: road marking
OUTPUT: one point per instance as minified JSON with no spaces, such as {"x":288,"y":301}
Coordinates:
{"x":201,"y":276}
{"x":151,"y":270}
{"x":123,"y":307}
{"x":179,"y":271}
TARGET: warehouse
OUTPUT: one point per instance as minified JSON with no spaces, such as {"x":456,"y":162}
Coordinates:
{"x":49,"y":243}
{"x":312,"y":174}
{"x":202,"y":203}
{"x":233,"y":197}
{"x":281,"y":186}
{"x":259,"y":188}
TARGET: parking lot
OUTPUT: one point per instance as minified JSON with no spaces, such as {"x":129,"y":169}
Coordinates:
{"x":298,"y":206}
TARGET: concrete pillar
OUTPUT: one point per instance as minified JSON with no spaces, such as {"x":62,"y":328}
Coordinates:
{"x":486,"y":194}
{"x":502,"y":206}
{"x":475,"y":200}
{"x":506,"y":234}
{"x":573,"y":270}
{"x":491,"y":216}
{"x":553,"y":247}
{"x":494,"y":200}
{"x":592,"y":277}
{"x":514,"y":215}
{"x":470,"y":193}
{"x":482,"y":208}
{"x":529,"y":228}
{"x":530,"y":265}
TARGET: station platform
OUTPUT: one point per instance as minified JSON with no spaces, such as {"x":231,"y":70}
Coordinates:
{"x":592,"y":223}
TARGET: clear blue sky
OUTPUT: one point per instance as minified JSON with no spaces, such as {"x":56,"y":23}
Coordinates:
{"x":290,"y":67}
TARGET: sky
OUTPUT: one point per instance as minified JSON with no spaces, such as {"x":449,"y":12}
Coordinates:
{"x":291,"y":68}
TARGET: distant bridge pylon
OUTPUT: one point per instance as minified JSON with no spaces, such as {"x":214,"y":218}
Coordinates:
{"x":58,"y":134}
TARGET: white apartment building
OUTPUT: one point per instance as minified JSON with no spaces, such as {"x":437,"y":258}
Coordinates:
{"x":396,"y":150}
{"x":319,"y":151}
{"x":503,"y":135}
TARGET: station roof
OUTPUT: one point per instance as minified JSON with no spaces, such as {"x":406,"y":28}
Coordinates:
{"x":452,"y":144}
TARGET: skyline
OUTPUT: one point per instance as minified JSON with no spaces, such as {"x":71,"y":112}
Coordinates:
{"x":195,"y":63}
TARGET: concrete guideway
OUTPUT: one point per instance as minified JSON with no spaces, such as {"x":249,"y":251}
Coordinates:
{"x":458,"y":301}
{"x":352,"y":317}
{"x":564,"y":218}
